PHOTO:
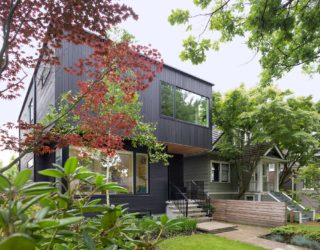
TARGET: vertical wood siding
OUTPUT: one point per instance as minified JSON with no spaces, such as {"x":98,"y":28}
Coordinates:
{"x":170,"y":130}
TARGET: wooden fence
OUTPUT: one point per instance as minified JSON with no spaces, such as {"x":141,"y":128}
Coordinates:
{"x":260,"y":213}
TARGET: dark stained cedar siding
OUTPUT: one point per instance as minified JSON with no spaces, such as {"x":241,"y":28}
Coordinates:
{"x":168,"y":130}
{"x":45,"y":94}
{"x":68,"y":55}
{"x":173,"y":131}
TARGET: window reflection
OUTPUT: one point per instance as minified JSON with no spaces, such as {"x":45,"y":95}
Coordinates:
{"x":184,"y":105}
{"x":142,"y":173}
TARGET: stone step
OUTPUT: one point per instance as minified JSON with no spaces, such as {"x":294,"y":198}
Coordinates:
{"x":172,"y":206}
{"x":190,"y":210}
{"x":203,"y":219}
{"x":199,"y":214}
{"x":215,"y":227}
{"x":189,"y":202}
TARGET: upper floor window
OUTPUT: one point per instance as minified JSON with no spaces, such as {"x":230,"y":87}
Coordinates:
{"x":43,"y":74}
{"x":31,"y":111}
{"x":184,"y":105}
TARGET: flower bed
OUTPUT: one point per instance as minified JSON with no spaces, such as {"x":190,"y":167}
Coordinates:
{"x":305,"y":235}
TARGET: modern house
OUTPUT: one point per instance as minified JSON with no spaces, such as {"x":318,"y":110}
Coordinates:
{"x":180,"y":104}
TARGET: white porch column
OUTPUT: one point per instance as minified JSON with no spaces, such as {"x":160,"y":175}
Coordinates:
{"x":260,"y":176}
{"x":276,"y":177}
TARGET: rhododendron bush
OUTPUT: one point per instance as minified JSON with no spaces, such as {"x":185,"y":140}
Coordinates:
{"x":105,"y":110}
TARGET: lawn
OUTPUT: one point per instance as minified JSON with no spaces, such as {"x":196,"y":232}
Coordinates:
{"x":204,"y":242}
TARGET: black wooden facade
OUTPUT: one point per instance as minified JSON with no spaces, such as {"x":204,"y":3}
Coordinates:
{"x":177,"y":135}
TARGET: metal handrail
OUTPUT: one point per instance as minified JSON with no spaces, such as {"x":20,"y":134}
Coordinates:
{"x":203,"y":199}
{"x":182,"y":202}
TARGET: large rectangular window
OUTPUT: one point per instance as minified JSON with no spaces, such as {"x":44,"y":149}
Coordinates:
{"x":123,"y":171}
{"x":184,"y":105}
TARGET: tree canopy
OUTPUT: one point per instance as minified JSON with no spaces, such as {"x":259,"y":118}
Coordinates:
{"x":100,"y":114}
{"x":266,"y":116}
{"x":285,"y":33}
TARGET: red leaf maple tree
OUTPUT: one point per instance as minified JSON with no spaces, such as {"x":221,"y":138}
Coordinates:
{"x":46,"y":25}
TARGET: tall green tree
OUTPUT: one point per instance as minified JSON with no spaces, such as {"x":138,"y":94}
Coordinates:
{"x":258,"y":118}
{"x":285,"y":33}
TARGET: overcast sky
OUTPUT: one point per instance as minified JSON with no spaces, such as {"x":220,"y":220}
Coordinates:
{"x":232,"y":65}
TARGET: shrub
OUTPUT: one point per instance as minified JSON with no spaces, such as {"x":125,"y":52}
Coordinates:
{"x":300,"y":240}
{"x":309,"y":232}
{"x":186,"y":226}
{"x":38,"y":215}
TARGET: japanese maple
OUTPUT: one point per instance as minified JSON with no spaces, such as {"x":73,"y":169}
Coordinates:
{"x":101,"y":123}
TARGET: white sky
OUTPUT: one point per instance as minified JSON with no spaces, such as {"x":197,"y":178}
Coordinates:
{"x":227,"y":69}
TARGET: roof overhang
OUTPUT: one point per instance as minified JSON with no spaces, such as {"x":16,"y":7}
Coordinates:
{"x":173,"y":148}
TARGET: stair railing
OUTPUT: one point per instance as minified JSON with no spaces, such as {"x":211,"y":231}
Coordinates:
{"x":195,"y":191}
{"x":179,"y":199}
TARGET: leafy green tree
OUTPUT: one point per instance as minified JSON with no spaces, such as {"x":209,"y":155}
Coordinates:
{"x":285,"y":33}
{"x":262,"y":117}
{"x":310,"y":176}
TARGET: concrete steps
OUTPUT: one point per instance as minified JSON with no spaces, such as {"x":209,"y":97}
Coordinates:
{"x":194,"y":211}
{"x":301,"y":214}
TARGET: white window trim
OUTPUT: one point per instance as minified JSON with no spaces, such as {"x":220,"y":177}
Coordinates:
{"x":249,"y":195}
{"x":211,"y":176}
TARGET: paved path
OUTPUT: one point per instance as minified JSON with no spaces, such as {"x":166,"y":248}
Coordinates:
{"x":250,"y":234}
{"x":216,"y":227}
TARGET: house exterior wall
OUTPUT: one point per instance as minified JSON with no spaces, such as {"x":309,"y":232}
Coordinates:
{"x":170,"y":130}
{"x":155,"y":201}
{"x":24,"y":116}
{"x":45,"y":92}
{"x":198,"y":168}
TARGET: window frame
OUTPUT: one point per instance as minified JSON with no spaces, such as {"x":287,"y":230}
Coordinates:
{"x":134,"y":193}
{"x":132,"y":181}
{"x":220,"y":171}
{"x":31,"y":111}
{"x":135,"y":174}
{"x":174,"y":87}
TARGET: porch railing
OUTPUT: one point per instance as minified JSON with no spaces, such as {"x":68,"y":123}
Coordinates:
{"x":179,"y":199}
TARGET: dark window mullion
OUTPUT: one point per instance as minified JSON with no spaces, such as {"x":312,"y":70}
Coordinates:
{"x":134,"y":172}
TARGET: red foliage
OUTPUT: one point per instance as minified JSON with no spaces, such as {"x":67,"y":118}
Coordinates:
{"x":50,"y":23}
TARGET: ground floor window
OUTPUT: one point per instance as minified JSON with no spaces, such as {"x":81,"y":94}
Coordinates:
{"x":122,"y":170}
{"x":220,"y":172}
{"x":142,"y":173}
{"x":129,"y":169}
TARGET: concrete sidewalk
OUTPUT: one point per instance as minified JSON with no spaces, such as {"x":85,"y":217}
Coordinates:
{"x":251,"y":235}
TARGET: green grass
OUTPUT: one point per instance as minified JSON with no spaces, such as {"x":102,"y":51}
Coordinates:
{"x":204,"y":242}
